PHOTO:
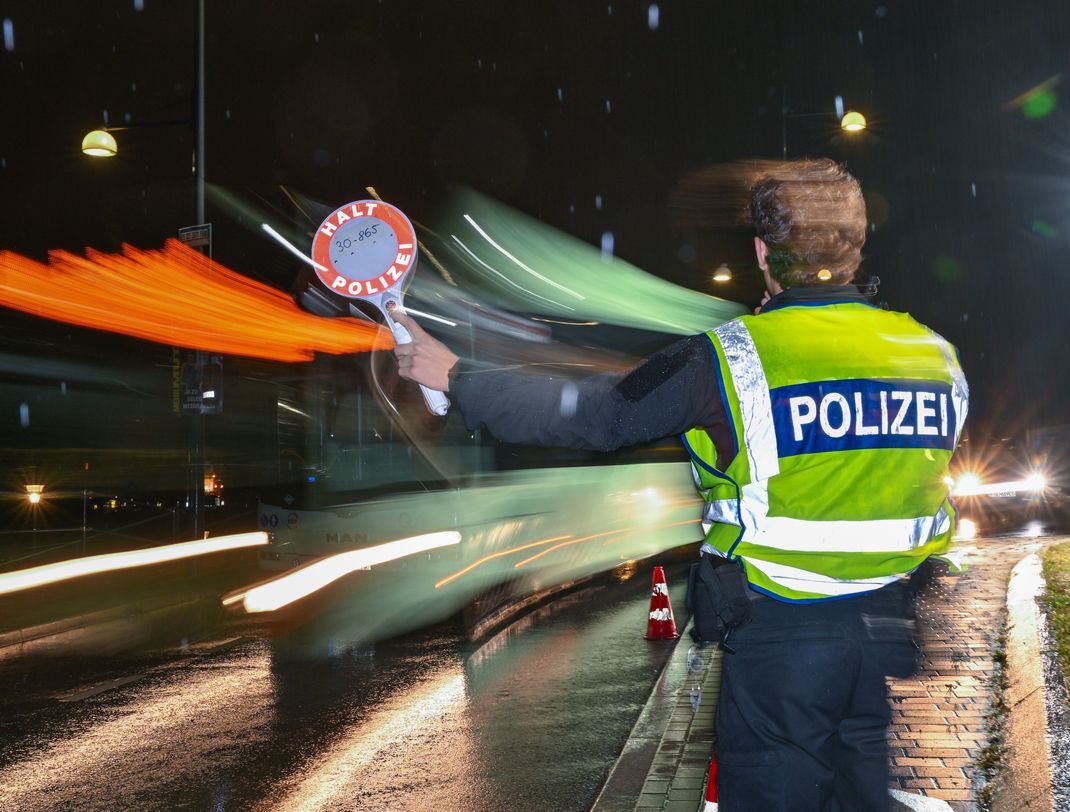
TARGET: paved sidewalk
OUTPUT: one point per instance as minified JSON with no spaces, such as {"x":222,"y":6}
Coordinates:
{"x":939,"y":718}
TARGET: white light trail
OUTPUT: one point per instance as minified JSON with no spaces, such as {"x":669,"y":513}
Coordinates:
{"x":91,"y":565}
{"x":289,"y":246}
{"x":473,"y":255}
{"x":411,"y":311}
{"x":530,"y":270}
{"x":303,"y":582}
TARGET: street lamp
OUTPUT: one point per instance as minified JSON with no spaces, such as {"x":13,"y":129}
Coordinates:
{"x":101,"y":144}
{"x":851,"y":121}
{"x":723,"y":273}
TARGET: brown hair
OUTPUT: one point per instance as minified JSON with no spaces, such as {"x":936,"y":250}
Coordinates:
{"x":812,"y":216}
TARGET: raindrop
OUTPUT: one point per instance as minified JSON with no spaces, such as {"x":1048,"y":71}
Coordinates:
{"x":546,"y":135}
{"x":560,"y":94}
{"x":607,"y":244}
{"x":24,"y":415}
{"x":104,"y":118}
{"x":139,"y":5}
{"x":133,"y":87}
{"x":598,"y":202}
{"x":653,"y":16}
{"x":63,"y":387}
{"x":126,"y":117}
{"x":3,"y":163}
{"x":859,"y":36}
{"x":316,"y":37}
{"x":571,"y":208}
{"x":881,"y":12}
{"x":479,"y":63}
{"x":839,"y":107}
{"x":9,"y":34}
{"x":609,"y":106}
{"x":227,"y":113}
{"x":609,"y":10}
{"x":973,"y":189}
{"x":494,"y":66}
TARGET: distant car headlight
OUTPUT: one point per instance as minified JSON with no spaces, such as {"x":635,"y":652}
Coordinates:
{"x":966,"y":485}
{"x":967,"y":529}
{"x":1036,"y":482}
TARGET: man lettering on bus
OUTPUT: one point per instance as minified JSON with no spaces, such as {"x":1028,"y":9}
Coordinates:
{"x":820,"y":432}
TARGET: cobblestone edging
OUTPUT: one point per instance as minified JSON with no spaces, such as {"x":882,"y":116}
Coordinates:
{"x":676,"y":781}
{"x":664,"y":763}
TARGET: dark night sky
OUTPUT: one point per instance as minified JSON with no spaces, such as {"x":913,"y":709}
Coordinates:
{"x":547,"y":105}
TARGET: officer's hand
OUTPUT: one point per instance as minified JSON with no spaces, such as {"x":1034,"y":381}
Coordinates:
{"x":425,"y":360}
{"x":765,"y":299}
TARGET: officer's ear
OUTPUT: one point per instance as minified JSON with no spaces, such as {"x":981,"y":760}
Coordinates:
{"x":761,"y":250}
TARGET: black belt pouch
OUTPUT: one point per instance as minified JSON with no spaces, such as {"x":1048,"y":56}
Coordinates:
{"x":718,"y":598}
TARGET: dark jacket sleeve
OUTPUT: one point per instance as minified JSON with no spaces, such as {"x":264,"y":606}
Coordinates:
{"x":673,"y":391}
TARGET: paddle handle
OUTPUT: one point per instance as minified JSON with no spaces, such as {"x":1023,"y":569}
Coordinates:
{"x":437,"y":402}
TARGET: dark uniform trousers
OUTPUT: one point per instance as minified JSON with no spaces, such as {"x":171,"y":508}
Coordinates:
{"x":803,"y":713}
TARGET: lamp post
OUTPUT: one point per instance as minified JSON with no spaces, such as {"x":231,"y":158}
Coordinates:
{"x":102,"y":144}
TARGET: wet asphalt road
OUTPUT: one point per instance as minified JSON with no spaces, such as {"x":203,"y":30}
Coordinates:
{"x":532,"y":719}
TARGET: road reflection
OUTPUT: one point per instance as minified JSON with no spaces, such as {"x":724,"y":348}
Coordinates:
{"x":170,"y":728}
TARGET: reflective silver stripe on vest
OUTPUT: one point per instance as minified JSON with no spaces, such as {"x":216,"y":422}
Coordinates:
{"x":806,"y":581}
{"x":752,"y":392}
{"x":783,"y":533}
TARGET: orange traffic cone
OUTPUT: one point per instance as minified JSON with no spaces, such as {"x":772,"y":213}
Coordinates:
{"x":660,"y":625}
{"x":711,"y":787}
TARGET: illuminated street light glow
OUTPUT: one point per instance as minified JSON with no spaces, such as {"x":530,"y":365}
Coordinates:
{"x":853,"y":121}
{"x":33,"y":493}
{"x":722,"y":274}
{"x":109,"y":562}
{"x":100,"y":144}
{"x":303,"y":582}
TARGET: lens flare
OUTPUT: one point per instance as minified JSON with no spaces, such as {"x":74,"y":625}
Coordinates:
{"x":91,"y":565}
{"x":178,"y":296}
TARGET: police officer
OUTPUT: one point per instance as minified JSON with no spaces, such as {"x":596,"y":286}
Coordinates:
{"x":820,"y":432}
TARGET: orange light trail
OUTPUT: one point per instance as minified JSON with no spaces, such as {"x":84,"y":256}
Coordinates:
{"x":622,"y":533}
{"x":549,"y":550}
{"x":492,"y":556}
{"x":176,"y":295}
